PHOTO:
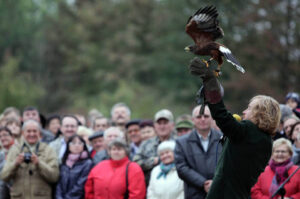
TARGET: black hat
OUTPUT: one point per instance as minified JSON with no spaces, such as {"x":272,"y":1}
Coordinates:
{"x":132,"y":122}
{"x":96,"y":135}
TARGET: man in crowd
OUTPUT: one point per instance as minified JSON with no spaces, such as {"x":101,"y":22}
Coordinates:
{"x":69,"y":126}
{"x":120,"y":115}
{"x":196,"y":155}
{"x":135,"y":137}
{"x":184,"y":127}
{"x":32,"y":166}
{"x":32,"y":113}
{"x":100,"y":123}
{"x":110,"y":134}
{"x":147,"y":156}
{"x":97,"y":142}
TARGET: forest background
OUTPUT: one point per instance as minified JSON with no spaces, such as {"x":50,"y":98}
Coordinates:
{"x":75,"y":55}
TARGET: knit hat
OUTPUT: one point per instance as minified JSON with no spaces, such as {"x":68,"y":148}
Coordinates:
{"x":165,"y":146}
{"x":294,"y":96}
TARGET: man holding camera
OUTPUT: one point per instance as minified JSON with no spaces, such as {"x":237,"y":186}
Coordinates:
{"x":32,"y":165}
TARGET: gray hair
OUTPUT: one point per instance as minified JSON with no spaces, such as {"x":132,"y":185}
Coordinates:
{"x":283,"y":141}
{"x":113,"y":129}
{"x":121,"y":104}
{"x":32,"y":121}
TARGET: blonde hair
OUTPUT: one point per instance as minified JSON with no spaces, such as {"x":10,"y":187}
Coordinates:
{"x":82,"y":131}
{"x":265,"y":113}
{"x":283,"y":141}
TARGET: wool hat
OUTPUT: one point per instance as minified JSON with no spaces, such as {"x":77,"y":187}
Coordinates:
{"x":165,"y":146}
{"x":164,"y":113}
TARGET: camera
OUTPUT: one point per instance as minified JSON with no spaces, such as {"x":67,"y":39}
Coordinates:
{"x":27,"y":157}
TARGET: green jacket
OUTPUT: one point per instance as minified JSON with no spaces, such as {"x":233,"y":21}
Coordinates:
{"x":31,"y":181}
{"x":245,"y":155}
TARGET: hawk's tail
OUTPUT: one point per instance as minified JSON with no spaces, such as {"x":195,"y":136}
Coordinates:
{"x":231,"y":59}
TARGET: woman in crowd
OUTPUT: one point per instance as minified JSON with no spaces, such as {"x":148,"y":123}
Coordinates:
{"x":6,"y":141}
{"x":164,"y":176}
{"x":117,"y":177}
{"x":32,"y":165}
{"x":14,"y":126}
{"x":53,"y":124}
{"x":278,"y":170}
{"x":296,"y":145}
{"x":76,"y":165}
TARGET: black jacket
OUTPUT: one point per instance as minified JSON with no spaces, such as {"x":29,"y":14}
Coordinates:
{"x":72,"y":180}
{"x":194,"y":165}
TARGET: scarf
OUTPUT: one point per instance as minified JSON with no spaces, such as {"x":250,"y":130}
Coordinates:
{"x":164,"y":169}
{"x":73,"y":158}
{"x":281,"y":173}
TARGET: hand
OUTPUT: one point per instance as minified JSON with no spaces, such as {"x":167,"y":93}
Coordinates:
{"x":207,"y":185}
{"x":19,"y":159}
{"x":212,"y":88}
{"x":34,"y":159}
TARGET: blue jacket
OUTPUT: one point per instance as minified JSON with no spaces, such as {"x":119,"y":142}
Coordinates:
{"x":72,"y":180}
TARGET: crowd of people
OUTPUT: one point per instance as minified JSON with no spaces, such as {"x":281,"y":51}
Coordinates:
{"x":98,"y":157}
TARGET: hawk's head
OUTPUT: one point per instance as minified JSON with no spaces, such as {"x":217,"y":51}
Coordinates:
{"x":191,"y":48}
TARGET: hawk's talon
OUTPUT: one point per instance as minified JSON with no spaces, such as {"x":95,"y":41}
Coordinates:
{"x":206,"y":62}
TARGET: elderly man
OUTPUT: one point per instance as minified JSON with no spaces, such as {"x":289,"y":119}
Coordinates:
{"x":69,"y":127}
{"x":32,"y":165}
{"x":196,"y":154}
{"x":32,"y":113}
{"x":100,"y":123}
{"x":147,"y":156}
{"x":135,"y":136}
{"x":120,"y":115}
{"x":97,"y":142}
{"x":110,"y":134}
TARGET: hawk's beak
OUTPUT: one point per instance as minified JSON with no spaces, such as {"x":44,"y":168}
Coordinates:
{"x":187,"y":49}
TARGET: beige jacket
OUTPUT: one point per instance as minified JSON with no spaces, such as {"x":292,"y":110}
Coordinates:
{"x":31,"y":181}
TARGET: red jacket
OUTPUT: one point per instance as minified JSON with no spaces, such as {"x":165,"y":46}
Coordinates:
{"x":261,"y":189}
{"x":107,"y":180}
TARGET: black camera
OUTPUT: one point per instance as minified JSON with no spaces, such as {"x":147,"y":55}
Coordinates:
{"x":27,"y":157}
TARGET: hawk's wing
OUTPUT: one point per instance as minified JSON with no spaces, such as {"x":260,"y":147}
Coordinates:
{"x":203,"y":26}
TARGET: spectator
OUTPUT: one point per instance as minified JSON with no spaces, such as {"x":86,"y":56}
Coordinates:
{"x":32,"y":165}
{"x":53,"y":125}
{"x":120,"y":115}
{"x":32,"y":113}
{"x":12,"y":112}
{"x":293,"y":100}
{"x":147,"y":129}
{"x":76,"y":165}
{"x":107,"y":179}
{"x":97,"y":142}
{"x":69,"y":126}
{"x":85,"y":133}
{"x":14,"y":126}
{"x":196,"y":155}
{"x":164,"y":176}
{"x":6,"y":141}
{"x":296,"y":146}
{"x":184,"y":127}
{"x":279,"y":168}
{"x":100,"y":124}
{"x":135,"y":137}
{"x":287,"y":126}
{"x":147,"y":156}
{"x":110,"y":134}
{"x":93,"y":113}
{"x":286,"y":111}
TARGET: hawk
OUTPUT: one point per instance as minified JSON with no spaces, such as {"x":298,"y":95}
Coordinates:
{"x":204,"y":29}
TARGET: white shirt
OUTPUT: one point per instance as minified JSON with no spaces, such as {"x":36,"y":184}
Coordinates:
{"x":63,"y":148}
{"x":204,"y":141}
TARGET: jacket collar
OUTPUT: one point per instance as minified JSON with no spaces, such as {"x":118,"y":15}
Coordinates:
{"x":193,"y":137}
{"x":118,"y":163}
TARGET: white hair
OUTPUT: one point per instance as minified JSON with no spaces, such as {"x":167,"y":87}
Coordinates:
{"x":113,"y":129}
{"x":31,"y":121}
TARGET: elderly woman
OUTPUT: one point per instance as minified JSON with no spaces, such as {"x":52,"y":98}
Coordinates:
{"x":32,"y":165}
{"x":117,"y":177}
{"x":164,"y":176}
{"x":279,"y":168}
{"x":296,"y":146}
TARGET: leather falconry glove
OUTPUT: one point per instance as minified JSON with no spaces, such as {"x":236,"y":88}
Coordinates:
{"x":212,"y":87}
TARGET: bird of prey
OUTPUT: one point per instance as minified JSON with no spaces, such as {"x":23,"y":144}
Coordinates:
{"x":204,"y":29}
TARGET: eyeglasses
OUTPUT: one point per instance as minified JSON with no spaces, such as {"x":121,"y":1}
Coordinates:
{"x":76,"y":143}
{"x":280,"y":151}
